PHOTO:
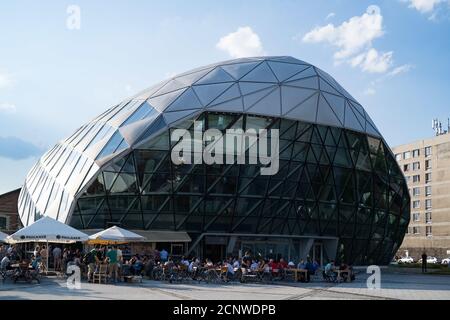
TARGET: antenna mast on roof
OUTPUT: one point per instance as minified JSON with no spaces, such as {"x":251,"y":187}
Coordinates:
{"x":437,"y":127}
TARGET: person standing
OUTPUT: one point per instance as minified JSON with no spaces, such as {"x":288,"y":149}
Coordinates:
{"x":91,"y":259}
{"x":424,"y":262}
{"x":163,"y":254}
{"x":44,"y":256}
{"x":57,"y":258}
{"x":111,"y":256}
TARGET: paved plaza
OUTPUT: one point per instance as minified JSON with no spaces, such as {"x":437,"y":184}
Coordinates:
{"x":393,"y":286}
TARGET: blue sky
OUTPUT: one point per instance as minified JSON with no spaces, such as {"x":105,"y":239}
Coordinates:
{"x":391,"y":55}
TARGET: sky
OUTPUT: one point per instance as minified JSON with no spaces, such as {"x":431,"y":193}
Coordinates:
{"x":64,"y":62}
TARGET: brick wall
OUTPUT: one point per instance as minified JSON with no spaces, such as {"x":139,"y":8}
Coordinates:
{"x":8,"y":208}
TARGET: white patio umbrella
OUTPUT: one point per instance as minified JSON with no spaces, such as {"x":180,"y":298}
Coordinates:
{"x":114,"y":235}
{"x":47,"y":230}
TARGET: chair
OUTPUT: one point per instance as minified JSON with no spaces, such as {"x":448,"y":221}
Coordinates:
{"x":100,"y":273}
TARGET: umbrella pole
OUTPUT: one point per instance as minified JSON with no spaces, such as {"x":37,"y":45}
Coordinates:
{"x":47,"y":260}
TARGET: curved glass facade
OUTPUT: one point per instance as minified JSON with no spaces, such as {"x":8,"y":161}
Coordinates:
{"x":337,"y":178}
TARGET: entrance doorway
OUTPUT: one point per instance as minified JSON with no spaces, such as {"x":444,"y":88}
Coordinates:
{"x":316,"y":253}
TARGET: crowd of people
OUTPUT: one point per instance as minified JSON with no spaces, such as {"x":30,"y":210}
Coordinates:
{"x":121,"y":263}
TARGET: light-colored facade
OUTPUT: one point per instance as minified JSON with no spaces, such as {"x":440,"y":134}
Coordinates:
{"x":426,"y":166}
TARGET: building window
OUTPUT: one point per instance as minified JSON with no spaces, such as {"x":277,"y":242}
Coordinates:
{"x":406,"y":155}
{"x":428,"y":204}
{"x":408,"y":179}
{"x":406,"y":167}
{"x":427,"y":177}
{"x":427,"y":164}
{"x":416,"y":153}
{"x":416,"y":191}
{"x":416,"y":216}
{"x":3,"y":223}
{"x":428,"y":191}
{"x":416,"y":178}
{"x":416,"y":204}
{"x":428,"y":217}
{"x":398,"y":156}
{"x":415,"y":230}
{"x":429,"y":231}
{"x":416,"y":166}
{"x":427,"y":151}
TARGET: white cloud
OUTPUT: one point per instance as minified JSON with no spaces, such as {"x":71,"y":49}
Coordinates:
{"x":330,"y":15}
{"x":424,"y":6}
{"x":242,"y":43}
{"x":373,"y":62}
{"x":369,"y":92}
{"x":401,"y":69}
{"x":351,"y":36}
{"x":5,"y":80}
{"x":8,"y":108}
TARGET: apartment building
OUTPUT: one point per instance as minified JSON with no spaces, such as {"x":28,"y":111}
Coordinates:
{"x":426,"y":166}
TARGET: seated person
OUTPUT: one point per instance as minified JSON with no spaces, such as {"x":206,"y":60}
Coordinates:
{"x":137,"y":265}
{"x":254,"y":266}
{"x":329,"y":270}
{"x":36,"y":261}
{"x":291,"y":265}
{"x":344,"y":272}
{"x":282,"y":264}
{"x":209,"y":264}
{"x":301,"y":265}
{"x":5,"y":264}
{"x":184,"y":261}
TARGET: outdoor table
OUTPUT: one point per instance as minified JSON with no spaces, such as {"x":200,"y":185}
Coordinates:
{"x":339,"y":273}
{"x":299,"y":271}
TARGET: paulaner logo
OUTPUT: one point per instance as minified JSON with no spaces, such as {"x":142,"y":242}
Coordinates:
{"x":235,"y":147}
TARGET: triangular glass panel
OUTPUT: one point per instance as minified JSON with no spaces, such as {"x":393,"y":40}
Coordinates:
{"x":325,"y":86}
{"x":337,"y":104}
{"x":250,"y":87}
{"x":309,"y":72}
{"x":360,"y":118}
{"x":231,"y":93}
{"x":269,"y":105}
{"x":291,"y":97}
{"x":187,"y":100}
{"x":190,"y":78}
{"x":261,"y":73}
{"x":284,"y":70}
{"x":358,"y":107}
{"x":238,"y":70}
{"x":161,"y":102}
{"x":289,"y":60}
{"x":351,"y":122}
{"x":215,"y":76}
{"x":371,"y":130}
{"x":161,"y":142}
{"x":306,"y":111}
{"x":311,"y":83}
{"x":209,"y":92}
{"x":251,"y":99}
{"x":172,"y":85}
{"x":325,"y":114}
{"x":129,"y":167}
{"x":231,"y":105}
{"x":157,"y":125}
{"x":133,"y":221}
{"x":172,"y":117}
{"x":125,"y":183}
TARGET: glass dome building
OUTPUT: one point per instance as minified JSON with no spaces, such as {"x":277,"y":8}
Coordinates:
{"x":338,"y":194}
